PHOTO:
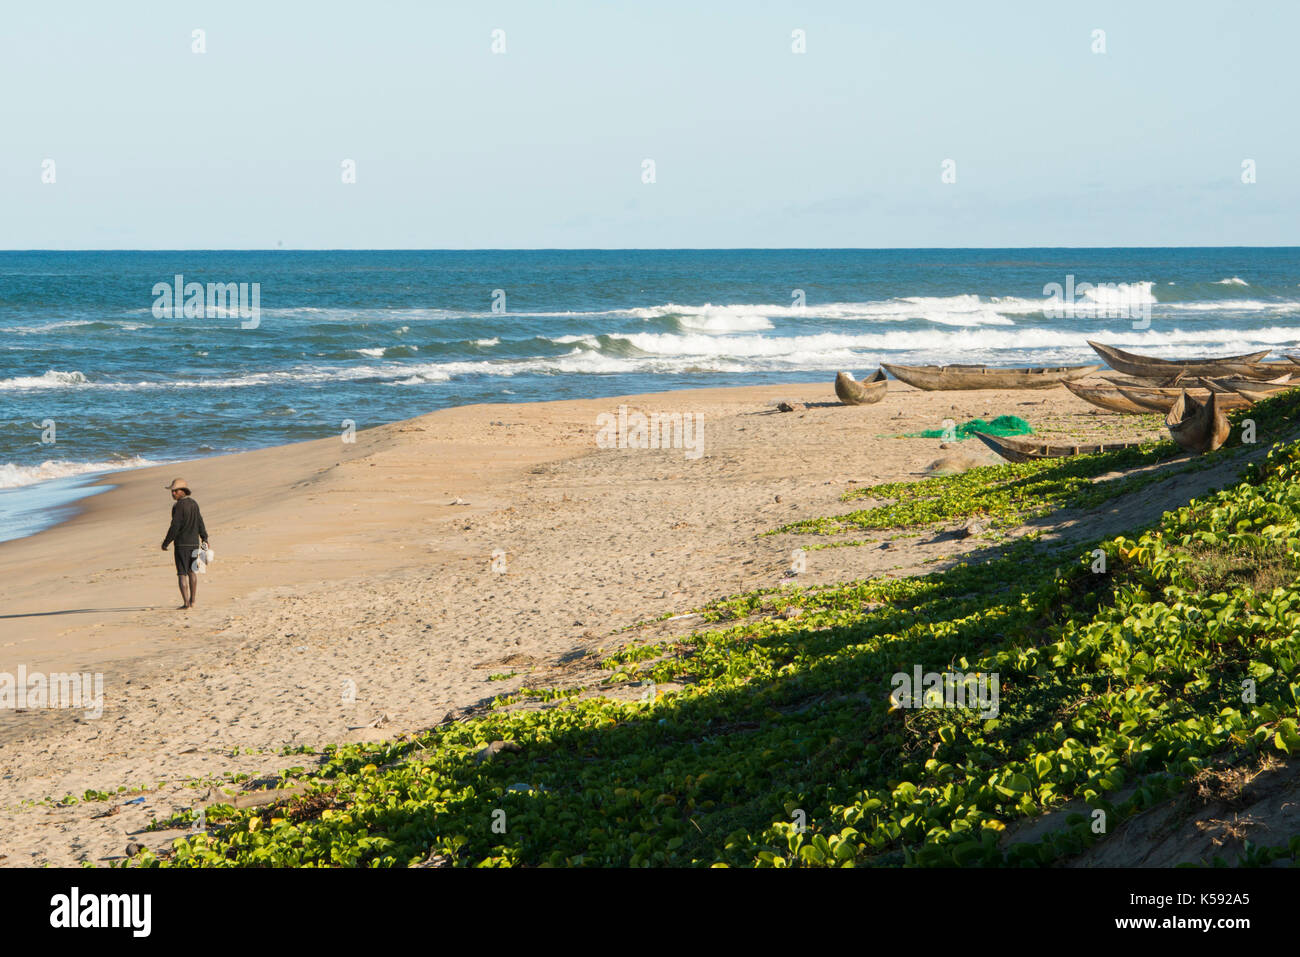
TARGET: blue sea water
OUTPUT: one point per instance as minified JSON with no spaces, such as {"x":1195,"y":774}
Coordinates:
{"x":376,"y":336}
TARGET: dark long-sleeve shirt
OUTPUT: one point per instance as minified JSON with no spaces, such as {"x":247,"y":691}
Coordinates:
{"x":187,"y":524}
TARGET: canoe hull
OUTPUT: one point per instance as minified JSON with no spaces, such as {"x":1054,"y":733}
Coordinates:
{"x":1252,"y":392}
{"x":1148,"y":367}
{"x":966,"y":378}
{"x":1028,"y":450}
{"x":1198,"y":426}
{"x":1107,"y":398}
{"x":1162,"y":400}
{"x":867,"y":392}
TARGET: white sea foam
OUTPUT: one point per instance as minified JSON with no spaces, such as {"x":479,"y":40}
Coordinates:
{"x":46,"y":327}
{"x":963,"y":309}
{"x":1234,"y":305}
{"x":1121,"y":294}
{"x":1234,"y":281}
{"x":673,"y":353}
{"x":946,"y":310}
{"x":15,"y":476}
{"x":668,"y":344}
{"x":337,"y":314}
{"x":53,"y":379}
{"x":486,"y":343}
{"x":373,"y":353}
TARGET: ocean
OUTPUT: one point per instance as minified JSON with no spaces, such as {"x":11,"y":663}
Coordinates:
{"x":98,"y":374}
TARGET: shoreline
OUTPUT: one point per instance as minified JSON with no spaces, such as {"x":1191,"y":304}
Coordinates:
{"x":98,"y":483}
{"x":341,"y":564}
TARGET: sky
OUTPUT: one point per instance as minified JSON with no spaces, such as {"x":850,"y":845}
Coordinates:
{"x":544,"y":145}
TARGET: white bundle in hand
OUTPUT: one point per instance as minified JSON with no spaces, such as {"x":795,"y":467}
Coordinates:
{"x":202,"y":556}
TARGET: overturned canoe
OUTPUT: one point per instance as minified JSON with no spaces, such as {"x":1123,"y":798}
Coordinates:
{"x":1162,"y":400}
{"x":1026,"y":450}
{"x":959,"y":377}
{"x":1150,"y":367}
{"x":1105,"y":397}
{"x":852,"y":392}
{"x":1198,"y":426}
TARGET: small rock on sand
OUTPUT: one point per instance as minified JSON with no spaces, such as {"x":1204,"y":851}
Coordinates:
{"x":789,"y":406}
{"x":495,"y":748}
{"x":952,"y":465}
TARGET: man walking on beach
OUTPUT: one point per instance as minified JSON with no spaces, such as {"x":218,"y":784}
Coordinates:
{"x":188,"y":532}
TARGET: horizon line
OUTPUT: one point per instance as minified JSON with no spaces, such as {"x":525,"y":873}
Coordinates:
{"x":523,"y":249}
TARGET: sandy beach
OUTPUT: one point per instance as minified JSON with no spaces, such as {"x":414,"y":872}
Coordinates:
{"x":352,"y":600}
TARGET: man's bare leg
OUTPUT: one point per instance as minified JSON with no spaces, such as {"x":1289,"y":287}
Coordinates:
{"x":185,"y":593}
{"x":194,"y":588}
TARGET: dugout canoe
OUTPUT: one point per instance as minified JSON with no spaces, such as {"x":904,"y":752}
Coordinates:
{"x":1161,"y":382}
{"x":1027,"y":450}
{"x":962,"y":377}
{"x":1149,"y":367}
{"x":852,"y":392}
{"x":1277,"y":384}
{"x":1202,"y":383}
{"x":1252,"y":391}
{"x":1105,"y":397}
{"x":1196,"y":425}
{"x":1162,"y":400}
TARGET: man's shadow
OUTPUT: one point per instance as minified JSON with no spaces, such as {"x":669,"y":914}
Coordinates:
{"x":80,"y":611}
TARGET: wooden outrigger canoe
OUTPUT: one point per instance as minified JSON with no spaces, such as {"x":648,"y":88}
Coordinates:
{"x":852,"y":392}
{"x":961,"y":377}
{"x":1105,"y":397}
{"x":1198,"y":426}
{"x":1027,"y":450}
{"x":1150,"y":367}
{"x":1162,"y":400}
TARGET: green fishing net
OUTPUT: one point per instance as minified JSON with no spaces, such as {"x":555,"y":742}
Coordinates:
{"x":1002,"y":425}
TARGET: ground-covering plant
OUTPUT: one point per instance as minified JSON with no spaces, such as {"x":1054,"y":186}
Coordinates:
{"x":1011,"y":494}
{"x":1125,"y":669}
{"x":1004,"y":495}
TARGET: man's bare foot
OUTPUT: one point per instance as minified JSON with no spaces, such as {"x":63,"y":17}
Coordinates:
{"x":183,"y":608}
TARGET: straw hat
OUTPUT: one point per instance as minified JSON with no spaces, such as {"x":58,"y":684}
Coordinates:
{"x":177,"y":483}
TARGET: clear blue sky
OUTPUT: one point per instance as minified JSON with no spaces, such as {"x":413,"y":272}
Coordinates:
{"x":240,"y":147}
